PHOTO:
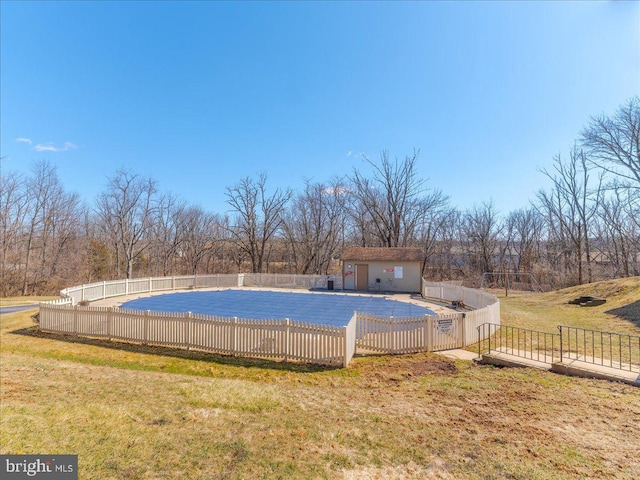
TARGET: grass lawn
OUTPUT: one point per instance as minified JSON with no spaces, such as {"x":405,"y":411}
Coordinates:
{"x":620,"y":314}
{"x":133,"y":412}
{"x":16,"y":301}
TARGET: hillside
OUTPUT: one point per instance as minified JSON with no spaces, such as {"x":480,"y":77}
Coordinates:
{"x":545,"y":311}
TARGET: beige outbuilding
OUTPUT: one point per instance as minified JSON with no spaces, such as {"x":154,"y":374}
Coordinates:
{"x":382,"y":269}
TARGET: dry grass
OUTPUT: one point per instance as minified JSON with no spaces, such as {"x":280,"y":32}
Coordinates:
{"x":545,"y":312}
{"x":620,"y":314}
{"x":152,"y":413}
{"x":14,"y":301}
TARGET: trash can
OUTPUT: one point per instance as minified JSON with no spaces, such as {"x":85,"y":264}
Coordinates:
{"x":329,"y":284}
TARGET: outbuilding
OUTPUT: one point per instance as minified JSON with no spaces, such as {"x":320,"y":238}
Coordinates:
{"x":382,"y":269}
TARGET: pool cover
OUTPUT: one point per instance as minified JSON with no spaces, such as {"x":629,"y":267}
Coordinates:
{"x":325,"y":308}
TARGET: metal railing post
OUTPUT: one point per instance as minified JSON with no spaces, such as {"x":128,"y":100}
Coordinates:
{"x":560,"y":328}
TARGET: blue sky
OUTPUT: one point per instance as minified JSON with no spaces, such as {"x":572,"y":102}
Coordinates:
{"x":200,"y":94}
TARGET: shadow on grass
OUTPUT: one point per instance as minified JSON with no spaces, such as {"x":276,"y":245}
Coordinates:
{"x":198,"y":355}
{"x":630,"y":312}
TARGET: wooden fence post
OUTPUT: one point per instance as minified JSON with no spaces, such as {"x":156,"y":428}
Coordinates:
{"x":426,"y":332}
{"x":109,"y":322}
{"x":145,"y":333}
{"x":345,"y":346}
{"x":286,"y":341}
{"x":187,"y":332}
{"x":393,"y":334}
{"x":463,"y":330}
{"x":235,"y":336}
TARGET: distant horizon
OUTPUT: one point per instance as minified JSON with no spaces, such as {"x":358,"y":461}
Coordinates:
{"x":198,"y":95}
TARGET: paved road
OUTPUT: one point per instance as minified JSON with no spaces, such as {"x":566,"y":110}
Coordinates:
{"x":18,"y":308}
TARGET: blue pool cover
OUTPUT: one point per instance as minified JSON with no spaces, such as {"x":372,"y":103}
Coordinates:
{"x":325,"y":308}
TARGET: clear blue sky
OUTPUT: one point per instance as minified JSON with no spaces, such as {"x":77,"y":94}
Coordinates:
{"x":198,"y":95}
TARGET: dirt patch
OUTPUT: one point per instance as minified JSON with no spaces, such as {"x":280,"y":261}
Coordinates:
{"x":399,"y":368}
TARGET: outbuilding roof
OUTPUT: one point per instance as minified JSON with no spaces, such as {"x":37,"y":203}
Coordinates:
{"x":383,"y":254}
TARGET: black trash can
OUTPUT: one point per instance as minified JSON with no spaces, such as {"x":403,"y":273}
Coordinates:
{"x":329,"y":284}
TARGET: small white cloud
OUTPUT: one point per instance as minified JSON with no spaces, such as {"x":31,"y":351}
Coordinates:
{"x":23,"y":140}
{"x":339,"y":190}
{"x":45,"y":148}
{"x":50,"y":147}
{"x":349,"y":153}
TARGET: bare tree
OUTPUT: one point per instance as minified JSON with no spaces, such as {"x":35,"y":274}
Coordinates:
{"x":391,"y":203}
{"x":39,"y":223}
{"x":619,"y":233}
{"x":480,"y":235}
{"x":258,"y":216}
{"x":360,"y":228}
{"x":613,"y":143}
{"x":524,"y":230}
{"x":49,"y":214}
{"x":573,"y":202}
{"x":126,"y":210}
{"x":437,"y":216}
{"x":13,"y":210}
{"x":201,"y":235}
{"x":443,"y":261}
{"x":314,"y":225}
{"x":61,"y":229}
{"x":167,"y":226}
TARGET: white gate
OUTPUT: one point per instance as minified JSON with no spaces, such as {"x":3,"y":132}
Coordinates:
{"x":423,"y":333}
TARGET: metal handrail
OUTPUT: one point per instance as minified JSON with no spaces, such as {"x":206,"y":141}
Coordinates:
{"x":614,"y":350}
{"x":520,"y":342}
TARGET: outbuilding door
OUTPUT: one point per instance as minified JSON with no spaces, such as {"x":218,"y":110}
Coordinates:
{"x":362,"y":276}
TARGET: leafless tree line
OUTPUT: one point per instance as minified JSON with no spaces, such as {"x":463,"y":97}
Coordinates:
{"x":585,"y":227}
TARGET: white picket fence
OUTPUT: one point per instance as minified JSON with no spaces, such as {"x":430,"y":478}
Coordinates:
{"x":266,"y":338}
{"x":448,"y":292}
{"x":486,"y":307}
{"x":115,"y":288}
{"x":430,"y":333}
{"x":281,"y":338}
{"x":424,"y":333}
